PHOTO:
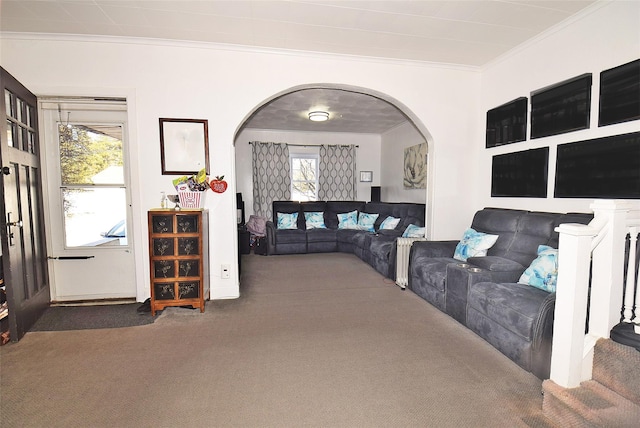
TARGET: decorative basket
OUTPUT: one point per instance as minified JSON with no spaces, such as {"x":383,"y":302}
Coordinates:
{"x":190,"y":199}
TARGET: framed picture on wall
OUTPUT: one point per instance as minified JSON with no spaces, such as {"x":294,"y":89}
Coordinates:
{"x":366,"y":176}
{"x":184,"y":146}
{"x":415,"y":167}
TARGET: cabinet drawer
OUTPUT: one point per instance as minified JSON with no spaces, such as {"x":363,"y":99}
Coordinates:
{"x":162,"y":223}
{"x":163,"y":246}
{"x":164,"y":291}
{"x":187,"y":223}
{"x":189,"y":267}
{"x":164,"y":269}
{"x":189,"y":290}
{"x":188,"y":246}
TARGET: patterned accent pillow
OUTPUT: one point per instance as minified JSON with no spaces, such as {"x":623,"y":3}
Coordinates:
{"x":413,"y":231}
{"x":348,"y":220}
{"x":543,"y":271}
{"x":314,"y":220}
{"x":287,"y":221}
{"x":390,"y":223}
{"x":366,"y":221}
{"x":474,"y":244}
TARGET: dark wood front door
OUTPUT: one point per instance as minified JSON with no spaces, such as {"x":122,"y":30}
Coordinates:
{"x":22,"y":227}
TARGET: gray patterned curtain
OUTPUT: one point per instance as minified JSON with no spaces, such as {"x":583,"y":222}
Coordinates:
{"x":337,"y":179}
{"x":271,"y":176}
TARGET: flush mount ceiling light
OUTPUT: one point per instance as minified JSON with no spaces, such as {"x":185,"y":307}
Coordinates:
{"x":318,"y":116}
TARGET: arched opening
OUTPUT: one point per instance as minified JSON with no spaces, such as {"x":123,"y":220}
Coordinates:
{"x":411,"y":120}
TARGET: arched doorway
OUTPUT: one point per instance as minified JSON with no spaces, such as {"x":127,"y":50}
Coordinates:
{"x":292,"y":105}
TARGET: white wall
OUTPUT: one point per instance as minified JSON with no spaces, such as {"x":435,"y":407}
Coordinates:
{"x":368,"y":156}
{"x":605,"y":37}
{"x":393,"y":144}
{"x":223,"y":85}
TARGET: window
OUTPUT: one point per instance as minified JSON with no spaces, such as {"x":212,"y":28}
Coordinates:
{"x":304,"y":177}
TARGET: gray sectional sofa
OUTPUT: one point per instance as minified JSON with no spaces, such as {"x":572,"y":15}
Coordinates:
{"x":377,"y":248}
{"x":483,"y":293}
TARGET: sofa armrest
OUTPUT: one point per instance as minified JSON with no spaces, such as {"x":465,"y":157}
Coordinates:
{"x":499,"y":268}
{"x":271,"y":237}
{"x":434,"y":248}
{"x":389,"y":232}
{"x":542,"y":338}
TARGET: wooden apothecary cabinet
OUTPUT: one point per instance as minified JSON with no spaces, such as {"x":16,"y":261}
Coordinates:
{"x":179,"y":258}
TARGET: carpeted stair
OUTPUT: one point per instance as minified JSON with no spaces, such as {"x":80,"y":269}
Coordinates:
{"x":610,"y":399}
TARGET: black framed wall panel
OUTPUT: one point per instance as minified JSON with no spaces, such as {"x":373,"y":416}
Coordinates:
{"x":561,"y":108}
{"x":620,"y":94}
{"x":507,"y":123}
{"x":606,"y":167}
{"x":520,"y":174}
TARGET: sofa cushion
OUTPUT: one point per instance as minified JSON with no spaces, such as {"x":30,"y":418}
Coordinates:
{"x":543,"y":271}
{"x":413,"y":231}
{"x":314,"y":220}
{"x":501,"y":222}
{"x":513,"y":306}
{"x":366,"y":221}
{"x":534,"y":228}
{"x":333,"y":208}
{"x":287,"y":221}
{"x":389,"y":223}
{"x":348,"y":220}
{"x":321,"y":235}
{"x":473,"y":244}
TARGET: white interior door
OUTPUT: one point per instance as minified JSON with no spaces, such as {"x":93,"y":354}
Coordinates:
{"x":90,"y":250}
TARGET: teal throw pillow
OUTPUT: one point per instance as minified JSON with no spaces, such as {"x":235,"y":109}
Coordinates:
{"x":474,"y":244}
{"x":314,"y":220}
{"x":389,"y":223}
{"x":366,"y":221}
{"x":413,"y":231}
{"x":348,"y":220}
{"x":543,"y":271}
{"x":287,"y":221}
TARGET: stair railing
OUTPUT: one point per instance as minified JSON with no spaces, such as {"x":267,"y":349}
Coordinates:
{"x":590,"y":287}
{"x":631,"y":304}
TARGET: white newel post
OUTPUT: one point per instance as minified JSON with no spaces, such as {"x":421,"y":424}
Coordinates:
{"x":608,"y":267}
{"x":571,"y":303}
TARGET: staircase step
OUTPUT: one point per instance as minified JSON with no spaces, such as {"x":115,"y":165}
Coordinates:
{"x":589,"y":405}
{"x":617,"y":367}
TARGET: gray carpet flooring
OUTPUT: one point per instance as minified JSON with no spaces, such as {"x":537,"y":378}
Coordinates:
{"x":314,"y":341}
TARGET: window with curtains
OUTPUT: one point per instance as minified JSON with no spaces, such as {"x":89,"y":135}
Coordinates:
{"x":304,"y":177}
{"x":309,"y":173}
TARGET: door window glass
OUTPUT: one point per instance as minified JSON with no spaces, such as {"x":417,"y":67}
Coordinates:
{"x":92,"y":176}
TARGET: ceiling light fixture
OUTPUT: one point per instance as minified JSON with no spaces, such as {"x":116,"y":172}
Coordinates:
{"x":318,"y":116}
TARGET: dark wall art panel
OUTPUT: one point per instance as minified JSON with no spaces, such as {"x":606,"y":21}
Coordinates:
{"x":520,"y":174}
{"x":606,"y":167}
{"x":620,"y":94}
{"x":507,"y":123}
{"x":560,"y":108}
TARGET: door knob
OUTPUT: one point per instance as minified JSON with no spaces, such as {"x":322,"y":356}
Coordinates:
{"x":15,"y":223}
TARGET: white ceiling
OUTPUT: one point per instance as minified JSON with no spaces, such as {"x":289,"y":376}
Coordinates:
{"x":461,"y":32}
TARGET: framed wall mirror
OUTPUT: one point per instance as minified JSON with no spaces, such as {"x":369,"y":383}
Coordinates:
{"x":184,"y":146}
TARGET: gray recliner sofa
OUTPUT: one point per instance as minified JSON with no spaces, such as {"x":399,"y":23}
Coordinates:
{"x":483,"y":293}
{"x":377,"y":248}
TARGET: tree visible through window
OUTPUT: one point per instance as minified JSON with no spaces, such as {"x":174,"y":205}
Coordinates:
{"x":304,"y":177}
